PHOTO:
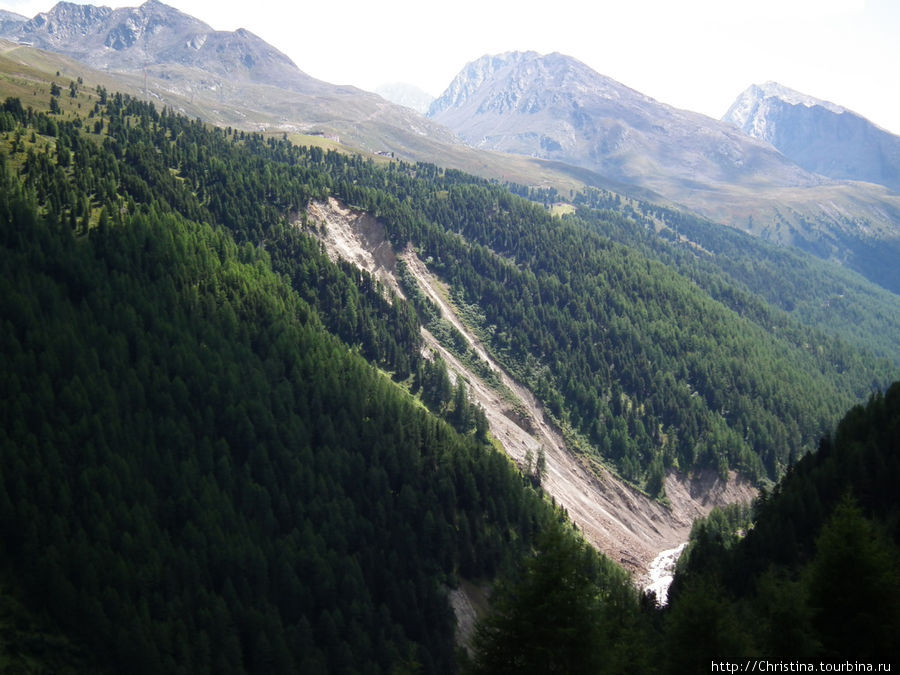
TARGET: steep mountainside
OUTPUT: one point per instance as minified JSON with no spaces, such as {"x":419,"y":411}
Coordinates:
{"x":593,"y":130}
{"x":819,"y":136}
{"x":815,"y":577}
{"x":135,"y":38}
{"x":615,"y":518}
{"x":9,"y":20}
{"x":805,"y":579}
{"x":197,"y":472}
{"x":220,"y":450}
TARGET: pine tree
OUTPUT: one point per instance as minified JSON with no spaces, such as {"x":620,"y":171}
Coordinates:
{"x":548,"y":618}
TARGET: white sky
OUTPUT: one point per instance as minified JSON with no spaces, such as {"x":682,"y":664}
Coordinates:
{"x":692,"y":54}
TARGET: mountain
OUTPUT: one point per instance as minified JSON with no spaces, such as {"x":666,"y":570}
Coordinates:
{"x":10,"y":20}
{"x":555,"y":107}
{"x":231,"y":461}
{"x":807,"y":576}
{"x":223,"y":450}
{"x":228,"y":78}
{"x":640,"y":147}
{"x":174,"y":60}
{"x":155,"y":35}
{"x":407,"y":95}
{"x":819,"y":136}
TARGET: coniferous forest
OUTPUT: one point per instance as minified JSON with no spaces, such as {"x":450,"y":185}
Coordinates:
{"x":219,"y":450}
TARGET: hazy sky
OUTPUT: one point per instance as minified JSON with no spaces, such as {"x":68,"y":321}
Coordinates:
{"x":693,"y":54}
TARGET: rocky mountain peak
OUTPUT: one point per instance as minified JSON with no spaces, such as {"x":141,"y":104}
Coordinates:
{"x":525,"y":82}
{"x":818,"y":135}
{"x":10,"y":20}
{"x":473,"y":76}
{"x":65,"y":21}
{"x":158,"y":36}
{"x":748,"y":112}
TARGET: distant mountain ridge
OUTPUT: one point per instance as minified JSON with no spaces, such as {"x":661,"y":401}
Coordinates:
{"x":818,"y":135}
{"x":154,"y":34}
{"x":555,"y":107}
{"x":9,"y":20}
{"x":593,"y":129}
{"x":227,"y":78}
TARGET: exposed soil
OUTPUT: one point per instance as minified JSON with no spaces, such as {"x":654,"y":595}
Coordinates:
{"x":357,"y":238}
{"x":617,"y":519}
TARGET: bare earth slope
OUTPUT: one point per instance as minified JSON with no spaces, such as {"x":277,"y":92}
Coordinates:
{"x":618,"y":520}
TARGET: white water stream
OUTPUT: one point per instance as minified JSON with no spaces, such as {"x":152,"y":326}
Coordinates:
{"x":662,"y":571}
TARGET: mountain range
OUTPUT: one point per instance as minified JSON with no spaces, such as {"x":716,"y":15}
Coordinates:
{"x":407,"y":95}
{"x":556,"y":108}
{"x":228,"y":78}
{"x":523,"y":117}
{"x":158,"y":38}
{"x":527,"y":118}
{"x":784,"y":173}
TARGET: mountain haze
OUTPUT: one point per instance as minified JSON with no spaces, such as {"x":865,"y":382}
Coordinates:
{"x":155,"y":35}
{"x":407,"y":95}
{"x":819,"y":136}
{"x":229,"y":78}
{"x":9,"y":20}
{"x":567,"y":125}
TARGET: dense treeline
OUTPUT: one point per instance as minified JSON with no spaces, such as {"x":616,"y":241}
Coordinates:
{"x":195,"y":476}
{"x":621,"y":346}
{"x":626,"y":350}
{"x":564,"y":610}
{"x":753,"y":277}
{"x":816,"y":576}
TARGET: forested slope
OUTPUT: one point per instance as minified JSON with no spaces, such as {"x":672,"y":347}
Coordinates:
{"x":748,"y":274}
{"x":203,"y":464}
{"x":816,"y":576}
{"x":197,"y":477}
{"x":806,"y":583}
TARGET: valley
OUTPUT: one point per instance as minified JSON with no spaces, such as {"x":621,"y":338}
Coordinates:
{"x":297,"y":379}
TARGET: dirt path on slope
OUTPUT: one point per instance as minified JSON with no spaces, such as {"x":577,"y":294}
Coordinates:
{"x":618,"y":520}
